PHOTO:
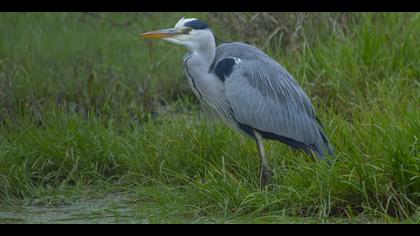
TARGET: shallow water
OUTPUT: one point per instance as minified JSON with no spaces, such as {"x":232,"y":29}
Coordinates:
{"x":109,"y":208}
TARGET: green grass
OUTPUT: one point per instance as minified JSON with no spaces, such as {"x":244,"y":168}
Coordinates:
{"x":86,"y":104}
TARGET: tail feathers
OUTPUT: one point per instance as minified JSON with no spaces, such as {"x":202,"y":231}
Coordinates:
{"x":327,"y":145}
{"x":324,"y":146}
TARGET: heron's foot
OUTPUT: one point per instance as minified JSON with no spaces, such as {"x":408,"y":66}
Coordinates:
{"x":266,"y":174}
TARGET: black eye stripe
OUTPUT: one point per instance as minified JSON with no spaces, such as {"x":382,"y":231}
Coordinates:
{"x":197,"y":25}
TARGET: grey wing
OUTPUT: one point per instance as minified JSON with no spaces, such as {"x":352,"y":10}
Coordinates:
{"x":264,"y":96}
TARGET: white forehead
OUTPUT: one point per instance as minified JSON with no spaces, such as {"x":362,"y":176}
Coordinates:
{"x":183,"y":21}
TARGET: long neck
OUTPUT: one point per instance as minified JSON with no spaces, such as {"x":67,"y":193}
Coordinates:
{"x":203,"y":56}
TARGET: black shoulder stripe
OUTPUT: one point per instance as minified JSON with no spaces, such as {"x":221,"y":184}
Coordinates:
{"x":224,"y":68}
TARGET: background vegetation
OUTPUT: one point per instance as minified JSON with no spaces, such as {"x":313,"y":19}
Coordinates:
{"x":86,"y":104}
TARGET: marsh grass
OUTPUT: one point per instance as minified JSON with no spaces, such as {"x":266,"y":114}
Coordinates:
{"x":85,"y":103}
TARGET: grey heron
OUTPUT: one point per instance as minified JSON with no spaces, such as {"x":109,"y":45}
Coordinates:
{"x":249,"y":90}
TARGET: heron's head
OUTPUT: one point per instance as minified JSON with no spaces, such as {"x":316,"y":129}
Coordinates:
{"x":191,"y":33}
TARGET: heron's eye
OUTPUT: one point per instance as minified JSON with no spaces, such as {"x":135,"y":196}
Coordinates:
{"x":188,"y":30}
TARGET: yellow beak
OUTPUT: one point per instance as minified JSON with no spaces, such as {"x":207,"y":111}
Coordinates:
{"x":158,"y":34}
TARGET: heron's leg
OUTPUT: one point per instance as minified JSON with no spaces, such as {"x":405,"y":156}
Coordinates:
{"x":265,"y":169}
{"x":242,"y":141}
